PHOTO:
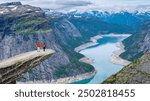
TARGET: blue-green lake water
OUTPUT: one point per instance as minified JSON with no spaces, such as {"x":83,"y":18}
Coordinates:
{"x":101,"y":54}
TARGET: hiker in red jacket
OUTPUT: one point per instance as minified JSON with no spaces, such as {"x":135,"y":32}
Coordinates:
{"x":44,"y":46}
{"x":38,"y":45}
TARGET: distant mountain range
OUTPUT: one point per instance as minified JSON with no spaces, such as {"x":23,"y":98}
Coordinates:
{"x":125,"y":18}
{"x":128,"y":22}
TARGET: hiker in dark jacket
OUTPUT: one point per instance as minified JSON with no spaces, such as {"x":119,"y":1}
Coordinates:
{"x":44,"y":46}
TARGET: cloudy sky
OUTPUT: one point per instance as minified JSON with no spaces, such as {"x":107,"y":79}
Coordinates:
{"x":86,"y":4}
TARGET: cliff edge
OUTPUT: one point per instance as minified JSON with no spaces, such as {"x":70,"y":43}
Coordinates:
{"x":11,"y":69}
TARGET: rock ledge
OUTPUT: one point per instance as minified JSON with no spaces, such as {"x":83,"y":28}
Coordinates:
{"x":12,"y":69}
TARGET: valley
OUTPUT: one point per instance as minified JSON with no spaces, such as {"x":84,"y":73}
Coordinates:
{"x":73,"y":36}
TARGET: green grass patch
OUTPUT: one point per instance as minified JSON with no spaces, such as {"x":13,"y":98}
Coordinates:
{"x":31,"y":25}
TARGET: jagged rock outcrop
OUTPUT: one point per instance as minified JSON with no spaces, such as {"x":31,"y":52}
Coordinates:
{"x":13,"y":68}
{"x":137,"y":72}
{"x":17,"y":9}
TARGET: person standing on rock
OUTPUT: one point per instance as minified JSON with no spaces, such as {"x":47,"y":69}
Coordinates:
{"x":44,"y":46}
{"x":38,"y":45}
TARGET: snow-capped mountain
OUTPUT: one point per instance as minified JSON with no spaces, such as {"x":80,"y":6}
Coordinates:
{"x":126,"y":17}
{"x":132,"y":19}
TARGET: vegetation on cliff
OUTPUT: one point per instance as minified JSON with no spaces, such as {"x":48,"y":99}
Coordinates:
{"x":31,"y":25}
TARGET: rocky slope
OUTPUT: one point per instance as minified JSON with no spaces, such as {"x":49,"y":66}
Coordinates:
{"x":137,"y":44}
{"x":137,"y":72}
{"x":22,"y":26}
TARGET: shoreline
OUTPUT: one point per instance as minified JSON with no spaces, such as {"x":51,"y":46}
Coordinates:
{"x":93,"y":41}
{"x":66,"y":80}
{"x":74,"y":79}
{"x":86,"y":60}
{"x":115,"y":57}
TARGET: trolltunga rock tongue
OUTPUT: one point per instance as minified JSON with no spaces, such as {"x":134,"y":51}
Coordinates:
{"x":13,"y":68}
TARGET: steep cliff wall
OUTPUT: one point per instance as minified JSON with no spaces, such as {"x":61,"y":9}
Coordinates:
{"x":137,"y":44}
{"x":22,"y":26}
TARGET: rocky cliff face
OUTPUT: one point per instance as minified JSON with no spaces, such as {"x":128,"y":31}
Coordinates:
{"x":137,"y":72}
{"x":137,"y":44}
{"x":22,"y":26}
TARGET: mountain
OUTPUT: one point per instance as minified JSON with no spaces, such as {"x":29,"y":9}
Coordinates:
{"x":137,"y":50}
{"x":137,"y":72}
{"x":92,"y":26}
{"x":129,"y":22}
{"x":22,"y":26}
{"x":136,"y":23}
{"x":137,"y":44}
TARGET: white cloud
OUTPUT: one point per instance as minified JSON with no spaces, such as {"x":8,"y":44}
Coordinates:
{"x":68,"y":5}
{"x":53,"y":4}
